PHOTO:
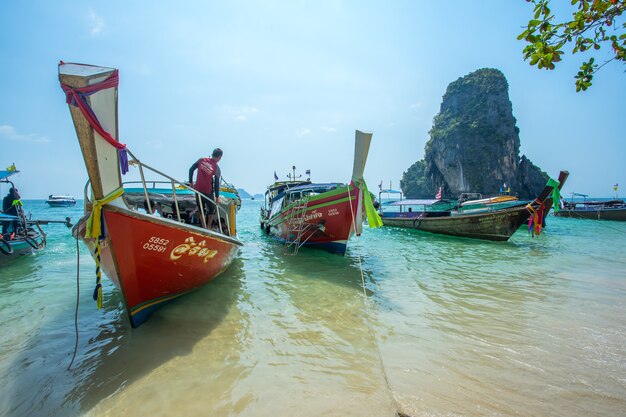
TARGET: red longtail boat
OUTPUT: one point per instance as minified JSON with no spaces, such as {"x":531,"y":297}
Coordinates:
{"x":321,"y":215}
{"x":154,"y":248}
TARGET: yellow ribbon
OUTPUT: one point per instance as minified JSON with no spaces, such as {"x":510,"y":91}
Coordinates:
{"x":17,"y":203}
{"x":93,"y":222}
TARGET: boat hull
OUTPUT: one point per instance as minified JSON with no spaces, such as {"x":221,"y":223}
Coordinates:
{"x":154,"y":260}
{"x":329,"y":221}
{"x":61,"y":203}
{"x":604,"y":214}
{"x":21,"y":245}
{"x":496,"y":226}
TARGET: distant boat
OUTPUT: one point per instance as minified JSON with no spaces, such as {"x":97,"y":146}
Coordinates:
{"x":147,"y":242}
{"x":321,"y":215}
{"x":25,"y":236}
{"x":488,"y":222}
{"x":593,"y":209}
{"x":61,"y":201}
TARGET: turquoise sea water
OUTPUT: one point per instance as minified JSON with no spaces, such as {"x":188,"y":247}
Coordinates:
{"x":448,"y":327}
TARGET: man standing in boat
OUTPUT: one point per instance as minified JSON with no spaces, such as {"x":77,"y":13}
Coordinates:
{"x":208,"y":182}
{"x":10,"y":207}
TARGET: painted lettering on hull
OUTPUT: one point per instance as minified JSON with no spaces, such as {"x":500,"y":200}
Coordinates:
{"x":191,"y":248}
{"x":312,"y":216}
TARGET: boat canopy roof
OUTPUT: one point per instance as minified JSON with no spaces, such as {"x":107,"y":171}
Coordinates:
{"x":307,"y":186}
{"x":320,"y":187}
{"x":414,"y":202}
{"x":7,"y":174}
{"x":167,"y":193}
{"x":279,"y":185}
{"x":390,"y":191}
{"x":60,"y":197}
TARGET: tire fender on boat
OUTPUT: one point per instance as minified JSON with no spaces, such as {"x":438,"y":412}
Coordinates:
{"x":5,"y":247}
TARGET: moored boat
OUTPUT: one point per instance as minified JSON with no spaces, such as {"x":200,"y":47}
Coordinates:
{"x":20,"y":235}
{"x":151,"y":257}
{"x":61,"y":201}
{"x":614,"y":209}
{"x":320,"y":215}
{"x":437,"y":216}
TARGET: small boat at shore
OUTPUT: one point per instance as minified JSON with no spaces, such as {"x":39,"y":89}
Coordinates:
{"x":320,"y":215}
{"x":593,"y":209}
{"x":487,"y":223}
{"x":61,"y":201}
{"x":151,"y":257}
{"x":23,"y":235}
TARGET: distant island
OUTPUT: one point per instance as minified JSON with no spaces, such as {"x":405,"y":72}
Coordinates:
{"x":244,"y":194}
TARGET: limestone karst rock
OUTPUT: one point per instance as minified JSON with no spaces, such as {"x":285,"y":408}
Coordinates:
{"x":474,"y":144}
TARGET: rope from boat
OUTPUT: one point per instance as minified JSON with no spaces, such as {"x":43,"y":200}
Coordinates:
{"x":97,"y":292}
{"x":77,"y":303}
{"x":368,"y":314}
{"x":94,"y":230}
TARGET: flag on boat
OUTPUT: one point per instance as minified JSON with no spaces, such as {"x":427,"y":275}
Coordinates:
{"x":275,"y":176}
{"x":380,"y":186}
{"x":12,"y":168}
{"x":439,"y":194}
{"x":615,"y":186}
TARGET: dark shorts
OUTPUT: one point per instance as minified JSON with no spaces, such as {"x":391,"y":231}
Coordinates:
{"x":209,"y":206}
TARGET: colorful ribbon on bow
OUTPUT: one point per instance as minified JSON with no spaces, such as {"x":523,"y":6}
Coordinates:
{"x":94,"y":224}
{"x":556,"y":193}
{"x":77,"y":97}
{"x":373,"y":219}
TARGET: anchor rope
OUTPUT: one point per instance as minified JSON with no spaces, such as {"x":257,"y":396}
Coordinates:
{"x":97,"y":292}
{"x":77,"y":302}
{"x":367,"y":320}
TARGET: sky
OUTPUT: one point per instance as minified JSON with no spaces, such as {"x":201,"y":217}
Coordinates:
{"x":282,"y":83}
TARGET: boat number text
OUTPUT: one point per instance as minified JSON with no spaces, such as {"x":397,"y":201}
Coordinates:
{"x":156,"y":244}
{"x":333,"y":212}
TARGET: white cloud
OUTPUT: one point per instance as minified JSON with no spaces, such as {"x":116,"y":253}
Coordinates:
{"x":327,"y":129}
{"x":6,"y":130}
{"x":416,"y":106}
{"x":10,"y":133}
{"x":96,"y":23}
{"x":241,"y":113}
{"x":303,"y":131}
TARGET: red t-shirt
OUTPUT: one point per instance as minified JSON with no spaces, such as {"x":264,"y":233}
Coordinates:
{"x":207,"y":170}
